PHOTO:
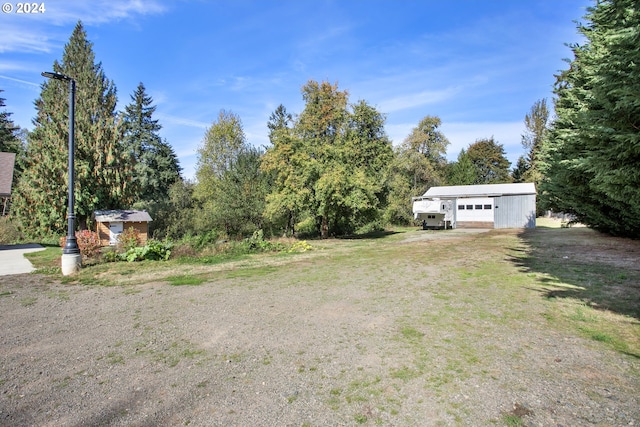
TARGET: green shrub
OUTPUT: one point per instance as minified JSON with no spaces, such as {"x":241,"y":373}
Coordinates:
{"x":110,"y":255}
{"x":9,"y":232}
{"x":154,"y":250}
{"x":129,"y":239}
{"x":257,"y":243}
{"x":371,"y":227}
{"x":300,"y":246}
{"x":307,"y":227}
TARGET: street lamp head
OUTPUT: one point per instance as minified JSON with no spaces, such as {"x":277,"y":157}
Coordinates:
{"x":57,"y":76}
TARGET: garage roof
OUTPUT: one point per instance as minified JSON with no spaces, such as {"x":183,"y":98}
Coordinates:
{"x":483,"y":190}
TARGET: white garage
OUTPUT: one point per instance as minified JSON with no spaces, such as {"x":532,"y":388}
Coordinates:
{"x":482,"y":206}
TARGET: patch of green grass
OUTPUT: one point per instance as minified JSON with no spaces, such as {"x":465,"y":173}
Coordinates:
{"x":6,"y":293}
{"x":28,"y":301}
{"x":582,"y":314}
{"x":411,"y":333}
{"x":115,"y":358}
{"x":360,"y":418}
{"x":602,"y":337}
{"x":405,"y":373}
{"x":211,"y":259}
{"x":47,"y":259}
{"x":250,"y":272}
{"x":511,"y":420}
{"x":59,"y":295}
{"x":186,"y":280}
{"x":85,"y":278}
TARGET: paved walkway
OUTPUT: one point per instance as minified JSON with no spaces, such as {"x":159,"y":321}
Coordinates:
{"x":12,"y":260}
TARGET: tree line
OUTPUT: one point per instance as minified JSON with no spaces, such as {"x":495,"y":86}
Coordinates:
{"x":331,"y":169}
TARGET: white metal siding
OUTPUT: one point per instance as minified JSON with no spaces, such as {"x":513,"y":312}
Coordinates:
{"x":474,"y":214}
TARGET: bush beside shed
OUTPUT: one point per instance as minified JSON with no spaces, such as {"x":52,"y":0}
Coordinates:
{"x":111,"y":223}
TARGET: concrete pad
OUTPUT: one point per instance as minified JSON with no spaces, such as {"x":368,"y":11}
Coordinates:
{"x":12,"y":260}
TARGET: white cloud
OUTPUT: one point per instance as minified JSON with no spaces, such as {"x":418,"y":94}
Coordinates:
{"x":20,"y":81}
{"x":27,"y":38}
{"x":419,"y":99}
{"x":181,"y":121}
{"x":99,"y":11}
{"x":37,"y":34}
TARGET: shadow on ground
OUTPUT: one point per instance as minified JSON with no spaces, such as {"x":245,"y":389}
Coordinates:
{"x":370,"y":235}
{"x":600,"y":270}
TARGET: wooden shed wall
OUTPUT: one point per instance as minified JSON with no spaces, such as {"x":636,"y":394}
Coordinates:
{"x":105,"y":236}
{"x":102,"y":229}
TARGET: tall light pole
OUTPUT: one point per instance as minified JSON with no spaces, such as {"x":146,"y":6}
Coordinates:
{"x":71,"y":257}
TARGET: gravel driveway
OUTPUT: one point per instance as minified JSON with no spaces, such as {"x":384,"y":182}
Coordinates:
{"x":326,"y":340}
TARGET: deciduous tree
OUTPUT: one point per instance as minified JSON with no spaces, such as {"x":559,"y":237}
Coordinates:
{"x":423,"y":154}
{"x":332,"y":164}
{"x":231,"y":186}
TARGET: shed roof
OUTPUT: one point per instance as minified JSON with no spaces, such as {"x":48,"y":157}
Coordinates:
{"x":482,"y":190}
{"x":122,"y":216}
{"x":7,"y":161}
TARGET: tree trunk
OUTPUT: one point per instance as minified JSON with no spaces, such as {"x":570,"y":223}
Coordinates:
{"x":324,"y":228}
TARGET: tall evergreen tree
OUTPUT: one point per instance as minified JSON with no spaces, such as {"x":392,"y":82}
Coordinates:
{"x":592,"y":155}
{"x":288,"y":194}
{"x":463,"y":171}
{"x":9,"y":141}
{"x":490,"y":161}
{"x":519,"y":173}
{"x":536,"y":125}
{"x":156,"y":166}
{"x":279,"y":120}
{"x":103,"y":170}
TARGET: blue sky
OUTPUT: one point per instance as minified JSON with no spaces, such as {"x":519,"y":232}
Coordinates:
{"x":478,"y":65}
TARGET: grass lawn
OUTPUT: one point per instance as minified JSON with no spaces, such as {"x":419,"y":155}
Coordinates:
{"x":580,"y":273}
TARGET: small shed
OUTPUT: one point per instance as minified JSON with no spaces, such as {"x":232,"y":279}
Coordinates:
{"x":111,"y":223}
{"x":486,"y":205}
{"x":7,"y":163}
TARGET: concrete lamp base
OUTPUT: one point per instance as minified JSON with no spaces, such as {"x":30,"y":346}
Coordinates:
{"x":71,"y":264}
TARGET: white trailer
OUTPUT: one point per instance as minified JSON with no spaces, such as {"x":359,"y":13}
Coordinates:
{"x":435,"y":214}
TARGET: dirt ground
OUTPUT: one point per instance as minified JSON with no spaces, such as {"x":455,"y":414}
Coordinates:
{"x":374,"y":333}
